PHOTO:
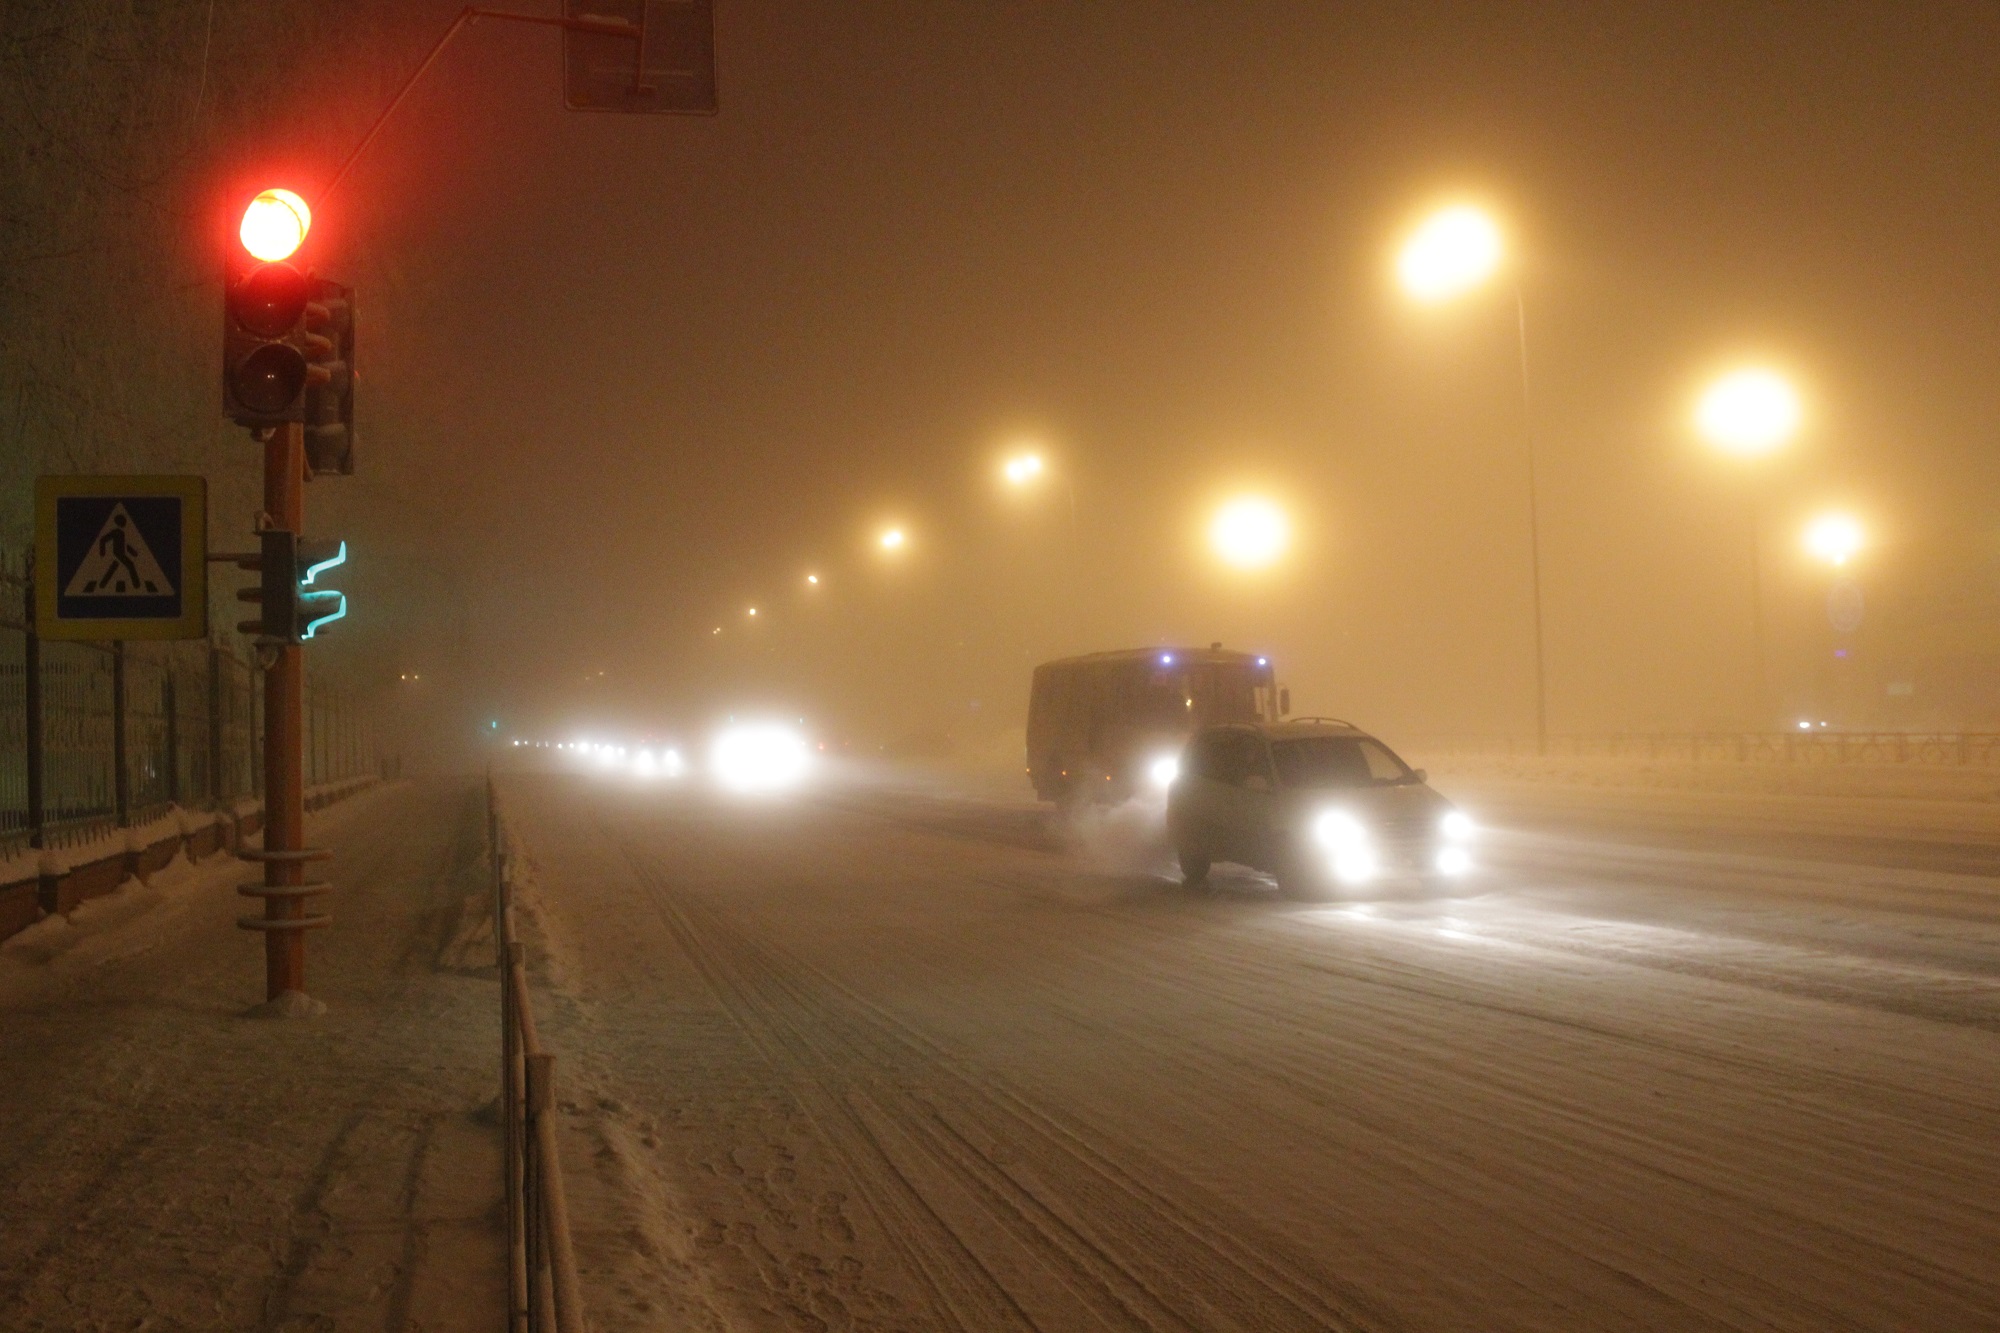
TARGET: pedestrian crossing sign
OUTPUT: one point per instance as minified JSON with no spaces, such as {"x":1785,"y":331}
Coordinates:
{"x":121,"y":557}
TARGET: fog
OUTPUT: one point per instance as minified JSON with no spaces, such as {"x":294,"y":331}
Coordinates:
{"x":625,"y":377}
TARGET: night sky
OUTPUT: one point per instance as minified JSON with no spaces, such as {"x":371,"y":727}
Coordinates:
{"x":626,"y":376}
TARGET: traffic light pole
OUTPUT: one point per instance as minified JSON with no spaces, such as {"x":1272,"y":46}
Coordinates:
{"x":284,"y":854}
{"x":284,"y":725}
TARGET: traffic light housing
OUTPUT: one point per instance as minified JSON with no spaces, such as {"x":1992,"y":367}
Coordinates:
{"x":292,"y":608}
{"x":329,"y":407}
{"x":271,"y":350}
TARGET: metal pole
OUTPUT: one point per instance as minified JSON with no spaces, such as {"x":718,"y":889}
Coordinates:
{"x":284,"y":702}
{"x":31,"y":666}
{"x":121,"y":778}
{"x":1760,"y":682}
{"x":215,"y":668}
{"x":170,"y":701}
{"x":1534,"y":527}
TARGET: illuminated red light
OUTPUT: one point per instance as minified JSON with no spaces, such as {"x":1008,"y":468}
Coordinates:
{"x":275,"y":225}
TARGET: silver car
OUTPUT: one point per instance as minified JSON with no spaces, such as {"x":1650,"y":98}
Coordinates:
{"x":1315,"y":802}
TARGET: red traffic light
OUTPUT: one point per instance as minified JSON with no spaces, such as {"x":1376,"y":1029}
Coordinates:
{"x":275,"y":225}
{"x":270,"y":299}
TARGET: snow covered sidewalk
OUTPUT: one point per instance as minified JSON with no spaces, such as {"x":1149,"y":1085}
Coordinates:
{"x":167,"y":1163}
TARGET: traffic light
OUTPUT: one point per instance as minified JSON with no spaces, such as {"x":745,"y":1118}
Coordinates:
{"x":271,"y":352}
{"x":293,"y":608}
{"x":329,"y":407}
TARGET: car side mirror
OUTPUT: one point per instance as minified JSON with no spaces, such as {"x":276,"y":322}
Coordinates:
{"x":1256,"y":782}
{"x":1420,"y":774}
{"x":1285,"y":702}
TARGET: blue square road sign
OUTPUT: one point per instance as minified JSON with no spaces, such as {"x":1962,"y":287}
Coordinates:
{"x":121,"y":557}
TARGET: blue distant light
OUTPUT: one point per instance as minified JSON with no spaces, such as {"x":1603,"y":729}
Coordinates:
{"x":1263,"y":661}
{"x":1166,"y":659}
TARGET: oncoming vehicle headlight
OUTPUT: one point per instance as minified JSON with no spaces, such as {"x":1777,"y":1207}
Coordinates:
{"x":1163,"y":771}
{"x":1347,"y":840}
{"x":1454,"y":861}
{"x":759,"y":757}
{"x":1457,"y":826}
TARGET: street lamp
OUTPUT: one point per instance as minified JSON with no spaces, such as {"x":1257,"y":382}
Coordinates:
{"x":892,"y":539}
{"x":1249,"y":532}
{"x":1834,"y":538}
{"x":1023,"y":468}
{"x":1751,"y":413}
{"x":1027,"y":467}
{"x":1452,"y":252}
{"x":1455,"y":250}
{"x":1748,"y":412}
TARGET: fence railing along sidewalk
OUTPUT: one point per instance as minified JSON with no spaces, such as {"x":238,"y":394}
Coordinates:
{"x":100,"y":736}
{"x":1968,"y":749}
{"x":543,"y":1292}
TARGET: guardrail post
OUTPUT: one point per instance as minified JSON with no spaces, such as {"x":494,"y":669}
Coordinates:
{"x":121,"y":777}
{"x":215,"y":792}
{"x":518,"y":1281}
{"x":31,"y":698}
{"x":170,"y":705}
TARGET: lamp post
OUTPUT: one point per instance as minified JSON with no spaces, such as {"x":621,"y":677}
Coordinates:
{"x":1455,"y":251}
{"x":1751,"y":413}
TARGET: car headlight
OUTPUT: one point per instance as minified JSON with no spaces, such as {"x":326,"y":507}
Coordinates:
{"x":1346,"y":840}
{"x":1454,"y":861}
{"x":1163,"y":771}
{"x":1457,"y":826}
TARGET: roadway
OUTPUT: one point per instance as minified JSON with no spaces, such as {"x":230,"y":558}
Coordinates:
{"x":882,"y":1056}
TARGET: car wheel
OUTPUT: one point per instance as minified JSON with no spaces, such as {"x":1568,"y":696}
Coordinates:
{"x":1194,"y":867}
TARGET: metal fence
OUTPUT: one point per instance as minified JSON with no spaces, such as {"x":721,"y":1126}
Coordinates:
{"x":1974,"y":749}
{"x":101,"y":736}
{"x":543,"y":1292}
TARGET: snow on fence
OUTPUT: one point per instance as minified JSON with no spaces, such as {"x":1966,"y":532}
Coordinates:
{"x":1940,"y":749}
{"x":543,"y":1292}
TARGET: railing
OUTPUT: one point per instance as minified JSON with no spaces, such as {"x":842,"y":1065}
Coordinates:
{"x":96,"y":736}
{"x":543,"y":1292}
{"x":1970,"y":749}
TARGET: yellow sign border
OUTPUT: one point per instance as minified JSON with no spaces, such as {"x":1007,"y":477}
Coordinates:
{"x":192,"y":623}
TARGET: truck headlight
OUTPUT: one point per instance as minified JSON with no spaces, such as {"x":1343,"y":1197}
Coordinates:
{"x":1457,"y":826}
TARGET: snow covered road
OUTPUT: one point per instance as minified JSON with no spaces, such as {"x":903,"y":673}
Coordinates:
{"x":877,"y":1058}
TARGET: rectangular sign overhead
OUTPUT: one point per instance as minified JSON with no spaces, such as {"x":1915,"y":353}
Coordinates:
{"x":121,"y":557}
{"x":644,"y":55}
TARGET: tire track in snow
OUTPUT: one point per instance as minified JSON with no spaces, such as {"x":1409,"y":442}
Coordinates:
{"x":1142,"y":1276}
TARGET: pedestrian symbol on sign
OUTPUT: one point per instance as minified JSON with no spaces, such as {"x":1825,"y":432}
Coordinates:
{"x":120,"y":564}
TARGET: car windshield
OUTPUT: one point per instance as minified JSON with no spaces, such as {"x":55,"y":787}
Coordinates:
{"x":1337,"y":761}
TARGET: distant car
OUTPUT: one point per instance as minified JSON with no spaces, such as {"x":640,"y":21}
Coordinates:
{"x":1315,"y":802}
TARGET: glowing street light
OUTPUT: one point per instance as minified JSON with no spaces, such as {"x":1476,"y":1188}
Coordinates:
{"x":1834,"y":538}
{"x":275,"y":225}
{"x":1023,"y":468}
{"x":1751,"y":413}
{"x":812,"y":580}
{"x":753,"y":612}
{"x":1453,"y":251}
{"x":1249,"y":532}
{"x":1748,"y":412}
{"x":893,"y":539}
{"x":1450,"y":253}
